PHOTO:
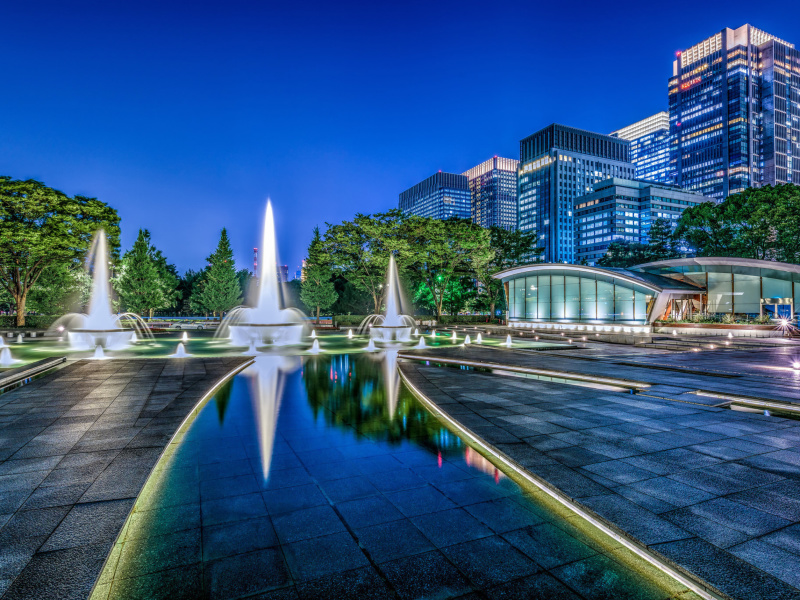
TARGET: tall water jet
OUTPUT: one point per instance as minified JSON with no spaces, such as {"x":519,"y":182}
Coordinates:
{"x":100,"y":326}
{"x":391,"y":326}
{"x":6,"y":360}
{"x":267,"y":322}
{"x":479,"y":339}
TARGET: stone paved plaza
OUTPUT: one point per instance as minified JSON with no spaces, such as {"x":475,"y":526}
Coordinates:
{"x":714,"y":490}
{"x":76,"y":448}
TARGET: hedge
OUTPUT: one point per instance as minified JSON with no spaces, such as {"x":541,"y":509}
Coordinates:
{"x":31,"y":321}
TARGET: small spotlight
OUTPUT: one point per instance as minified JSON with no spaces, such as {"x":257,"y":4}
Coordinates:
{"x":784,"y":322}
{"x":584,"y":338}
{"x":61,"y":328}
{"x":569,"y":341}
{"x":796,"y":365}
{"x":696,"y":349}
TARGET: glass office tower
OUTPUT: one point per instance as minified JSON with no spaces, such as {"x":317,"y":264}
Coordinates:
{"x":650,"y":146}
{"x":623,"y":210}
{"x":440,"y":196}
{"x":558,"y":164}
{"x":734,"y":114}
{"x":493,"y":186}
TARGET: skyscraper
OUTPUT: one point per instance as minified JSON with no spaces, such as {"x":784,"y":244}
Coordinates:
{"x":493,"y":187}
{"x":283,"y":273}
{"x":558,"y":164}
{"x":440,"y":196}
{"x":733,"y":113}
{"x":650,"y":146}
{"x":623,"y":210}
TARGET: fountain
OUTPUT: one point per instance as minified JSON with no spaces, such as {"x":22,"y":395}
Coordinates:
{"x":100,"y":327}
{"x":433,"y":334}
{"x":371,"y":345}
{"x":6,"y":360}
{"x":2,"y":343}
{"x":391,"y":327}
{"x":467,"y":340}
{"x":314,"y":347}
{"x":421,"y":342}
{"x":266,"y":323}
{"x":349,"y":334}
{"x":416,"y":332}
{"x":479,"y":339}
{"x":20,"y":339}
{"x":313,"y":333}
{"x":134,"y":339}
{"x":508,"y":341}
{"x":454,"y":337}
{"x":98,"y":353}
{"x":180,"y":352}
{"x":185,"y":337}
{"x":252,"y":350}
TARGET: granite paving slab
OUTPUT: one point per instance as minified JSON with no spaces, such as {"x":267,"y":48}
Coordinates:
{"x":730,"y":518}
{"x":76,"y":447}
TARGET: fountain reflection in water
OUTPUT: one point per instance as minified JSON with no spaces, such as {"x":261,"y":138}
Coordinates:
{"x":267,"y":377}
{"x":266,"y":323}
{"x":392,"y":326}
{"x":100,"y":327}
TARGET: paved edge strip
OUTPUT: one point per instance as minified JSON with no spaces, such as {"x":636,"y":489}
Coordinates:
{"x":191,"y":415}
{"x":35,"y":368}
{"x":625,"y":383}
{"x":662,"y":563}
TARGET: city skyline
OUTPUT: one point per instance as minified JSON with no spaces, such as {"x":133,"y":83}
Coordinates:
{"x":167,"y":159}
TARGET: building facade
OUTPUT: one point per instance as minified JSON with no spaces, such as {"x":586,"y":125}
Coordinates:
{"x":557,"y":165}
{"x":594,"y":298}
{"x":493,"y":188}
{"x":440,"y":196}
{"x":650,"y":147}
{"x":623,"y":210}
{"x":734,"y":113}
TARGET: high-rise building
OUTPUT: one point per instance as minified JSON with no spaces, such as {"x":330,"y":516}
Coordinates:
{"x":558,"y":164}
{"x":298,"y":274}
{"x":623,"y":210}
{"x":283,"y":273}
{"x":734,"y":114}
{"x":440,"y":196}
{"x":493,"y":187}
{"x":650,"y":146}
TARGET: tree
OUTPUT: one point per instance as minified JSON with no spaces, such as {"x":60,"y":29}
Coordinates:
{"x":219,"y":289}
{"x":446,"y":251}
{"x":186,"y":287}
{"x":317,"y":291}
{"x":622,"y":254}
{"x":245,"y":278}
{"x":661,"y":245}
{"x":359,"y":250}
{"x":508,"y":249}
{"x":41,"y":227}
{"x":59,"y":288}
{"x":146,"y":281}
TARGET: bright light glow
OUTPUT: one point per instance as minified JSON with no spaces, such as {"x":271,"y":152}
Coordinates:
{"x":796,"y":365}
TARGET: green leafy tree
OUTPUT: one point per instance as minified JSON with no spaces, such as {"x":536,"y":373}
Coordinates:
{"x":317,"y":291}
{"x":359,"y":250}
{"x":41,"y":227}
{"x":146,"y":281}
{"x":446,"y":251}
{"x":219,"y":289}
{"x":624,"y":254}
{"x":508,"y":249}
{"x":59,"y":289}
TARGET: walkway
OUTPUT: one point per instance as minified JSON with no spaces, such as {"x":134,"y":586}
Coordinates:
{"x":76,"y":447}
{"x":715,"y":491}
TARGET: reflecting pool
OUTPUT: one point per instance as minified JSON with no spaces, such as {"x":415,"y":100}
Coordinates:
{"x":323,"y":477}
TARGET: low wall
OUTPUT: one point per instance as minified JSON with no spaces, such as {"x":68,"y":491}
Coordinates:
{"x":718,"y":329}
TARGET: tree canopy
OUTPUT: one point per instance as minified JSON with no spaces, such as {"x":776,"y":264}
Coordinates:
{"x":41,"y":227}
{"x":317,"y":291}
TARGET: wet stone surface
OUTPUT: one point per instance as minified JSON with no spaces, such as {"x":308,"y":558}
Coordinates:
{"x":76,"y":447}
{"x":714,"y":490}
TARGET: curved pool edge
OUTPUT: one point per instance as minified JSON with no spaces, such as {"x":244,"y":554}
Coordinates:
{"x":653,"y":557}
{"x":180,"y":431}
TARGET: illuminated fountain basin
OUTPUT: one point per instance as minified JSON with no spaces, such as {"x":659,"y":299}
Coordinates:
{"x":391,"y":327}
{"x":266,"y":323}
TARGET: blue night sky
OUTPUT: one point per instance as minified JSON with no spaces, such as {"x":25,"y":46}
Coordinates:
{"x":186,"y":117}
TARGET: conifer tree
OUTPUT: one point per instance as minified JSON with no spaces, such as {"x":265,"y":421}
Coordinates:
{"x":317,"y":290}
{"x":146,"y":282}
{"x":219,"y":289}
